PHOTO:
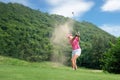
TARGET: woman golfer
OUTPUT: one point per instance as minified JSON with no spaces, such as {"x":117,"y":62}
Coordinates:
{"x":76,"y":50}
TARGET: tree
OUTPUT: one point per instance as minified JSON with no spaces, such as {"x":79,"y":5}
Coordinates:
{"x":111,"y":59}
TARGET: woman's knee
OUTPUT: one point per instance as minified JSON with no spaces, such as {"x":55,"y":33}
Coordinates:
{"x":72,"y":59}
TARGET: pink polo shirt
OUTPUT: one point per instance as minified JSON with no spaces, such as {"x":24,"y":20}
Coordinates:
{"x":75,"y":43}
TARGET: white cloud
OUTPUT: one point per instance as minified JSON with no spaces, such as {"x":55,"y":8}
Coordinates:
{"x":112,"y":29}
{"x":111,"y":5}
{"x":66,"y":7}
{"x":24,"y":2}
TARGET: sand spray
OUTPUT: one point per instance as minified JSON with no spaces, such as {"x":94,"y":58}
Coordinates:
{"x":60,"y":41}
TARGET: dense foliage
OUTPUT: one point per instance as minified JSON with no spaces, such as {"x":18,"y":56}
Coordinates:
{"x":25,"y":34}
{"x":111,"y":59}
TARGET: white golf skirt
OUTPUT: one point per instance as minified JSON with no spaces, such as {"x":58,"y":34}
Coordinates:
{"x":76,"y":52}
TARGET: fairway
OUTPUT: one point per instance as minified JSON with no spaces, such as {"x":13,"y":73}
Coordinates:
{"x":51,"y":71}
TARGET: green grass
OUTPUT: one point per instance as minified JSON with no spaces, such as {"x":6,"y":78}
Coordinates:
{"x":14,"y":69}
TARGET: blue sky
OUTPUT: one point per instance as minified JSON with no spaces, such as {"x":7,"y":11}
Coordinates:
{"x":103,"y":13}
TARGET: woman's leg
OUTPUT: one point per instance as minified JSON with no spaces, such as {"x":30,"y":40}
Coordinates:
{"x":72,"y":61}
{"x":74,"y":58}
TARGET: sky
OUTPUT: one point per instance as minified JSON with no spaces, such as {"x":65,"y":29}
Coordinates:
{"x":103,"y":13}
